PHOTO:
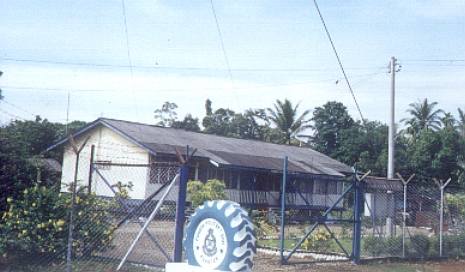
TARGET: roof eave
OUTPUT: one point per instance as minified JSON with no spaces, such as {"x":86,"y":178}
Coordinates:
{"x":103,"y":123}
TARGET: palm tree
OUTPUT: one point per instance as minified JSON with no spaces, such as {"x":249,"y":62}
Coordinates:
{"x":448,"y":121}
{"x":284,"y":116}
{"x":461,"y":122}
{"x":424,"y":117}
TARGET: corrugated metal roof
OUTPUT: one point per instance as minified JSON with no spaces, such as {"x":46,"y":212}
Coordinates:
{"x":222,"y":150}
{"x":232,"y":151}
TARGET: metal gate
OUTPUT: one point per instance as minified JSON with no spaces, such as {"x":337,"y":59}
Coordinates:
{"x":320,"y":217}
{"x":155,"y":211}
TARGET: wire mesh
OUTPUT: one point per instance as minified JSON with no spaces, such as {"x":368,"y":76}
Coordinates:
{"x":106,"y":221}
{"x":385,"y":234}
{"x":313,"y":232}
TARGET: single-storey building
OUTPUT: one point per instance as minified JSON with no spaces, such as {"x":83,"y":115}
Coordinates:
{"x":251,"y":170}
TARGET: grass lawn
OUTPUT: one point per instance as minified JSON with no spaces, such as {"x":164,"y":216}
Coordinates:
{"x":290,"y":244}
{"x":265,"y":264}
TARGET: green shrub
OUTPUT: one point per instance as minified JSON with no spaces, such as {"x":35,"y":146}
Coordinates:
{"x":434,"y":247}
{"x":420,"y":245}
{"x":200,"y":192}
{"x":37,"y":223}
{"x":454,"y":245}
{"x":263,"y":228}
{"x":374,"y":245}
{"x":378,"y":246}
{"x":393,"y":246}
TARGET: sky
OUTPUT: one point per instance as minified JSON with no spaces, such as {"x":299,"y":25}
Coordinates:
{"x":172,"y":50}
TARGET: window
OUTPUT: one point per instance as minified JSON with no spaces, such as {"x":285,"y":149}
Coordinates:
{"x":162,"y":173}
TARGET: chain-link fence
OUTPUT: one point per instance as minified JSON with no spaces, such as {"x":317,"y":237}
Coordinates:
{"x":318,"y":219}
{"x":404,"y":220}
{"x":90,"y":225}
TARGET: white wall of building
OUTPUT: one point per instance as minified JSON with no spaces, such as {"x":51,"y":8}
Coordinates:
{"x":109,"y":147}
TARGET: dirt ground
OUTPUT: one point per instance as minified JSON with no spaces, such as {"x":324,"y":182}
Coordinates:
{"x":270,"y":263}
{"x":146,"y":252}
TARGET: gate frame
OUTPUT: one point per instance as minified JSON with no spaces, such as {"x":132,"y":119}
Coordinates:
{"x":358,"y":187}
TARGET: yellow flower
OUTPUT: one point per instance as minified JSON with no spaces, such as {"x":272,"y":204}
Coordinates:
{"x":25,"y":191}
{"x":34,"y":204}
{"x":60,"y":223}
{"x":24,"y":232}
{"x":9,"y":200}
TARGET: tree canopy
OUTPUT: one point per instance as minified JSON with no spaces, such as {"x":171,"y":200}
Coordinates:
{"x":285,"y":117}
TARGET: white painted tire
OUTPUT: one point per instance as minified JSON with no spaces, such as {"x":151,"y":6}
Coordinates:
{"x":219,"y":236}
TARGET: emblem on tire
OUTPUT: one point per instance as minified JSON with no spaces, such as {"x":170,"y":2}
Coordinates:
{"x":220,"y":236}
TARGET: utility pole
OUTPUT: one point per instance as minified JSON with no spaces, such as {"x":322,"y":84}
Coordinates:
{"x":67,"y":116}
{"x":392,"y":122}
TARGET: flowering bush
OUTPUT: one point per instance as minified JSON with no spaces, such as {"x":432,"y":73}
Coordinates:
{"x":319,"y":240}
{"x":37,"y":223}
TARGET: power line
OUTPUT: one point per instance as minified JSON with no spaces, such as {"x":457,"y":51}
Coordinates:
{"x":55,"y":89}
{"x":17,"y":107}
{"x":128,"y":51}
{"x":434,"y":60}
{"x":187,"y":68}
{"x":220,"y":35}
{"x":223,"y":49}
{"x":339,"y":60}
{"x":12,"y":115}
{"x":253,"y":87}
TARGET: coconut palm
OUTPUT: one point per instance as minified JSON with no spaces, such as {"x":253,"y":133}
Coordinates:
{"x":284,"y":116}
{"x":461,"y":122}
{"x":424,"y":117}
{"x":448,"y":121}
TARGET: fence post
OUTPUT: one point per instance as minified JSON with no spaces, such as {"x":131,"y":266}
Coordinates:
{"x":358,"y":206}
{"x":180,"y":212}
{"x":69,"y":250}
{"x":357,"y":229}
{"x":283,"y":209}
{"x":91,"y":169}
{"x":404,"y":214}
{"x":442,"y":186}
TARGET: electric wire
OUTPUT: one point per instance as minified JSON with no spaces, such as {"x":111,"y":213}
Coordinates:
{"x":17,"y":107}
{"x":187,"y":68}
{"x":254,"y":87}
{"x":14,"y":116}
{"x":126,"y":33}
{"x":128,"y":52}
{"x":220,"y":35}
{"x":339,"y":61}
{"x":434,"y":60}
